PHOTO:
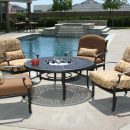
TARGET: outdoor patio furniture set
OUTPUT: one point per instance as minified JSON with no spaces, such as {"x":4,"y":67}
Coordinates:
{"x":61,"y":65}
{"x":91,"y":55}
{"x":26,"y":25}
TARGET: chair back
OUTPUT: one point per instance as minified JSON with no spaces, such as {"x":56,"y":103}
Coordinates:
{"x":93,"y":42}
{"x":126,"y":55}
{"x":8,"y":44}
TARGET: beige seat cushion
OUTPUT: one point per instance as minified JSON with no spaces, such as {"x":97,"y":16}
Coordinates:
{"x":15,"y":85}
{"x":108,"y":79}
{"x":18,"y":62}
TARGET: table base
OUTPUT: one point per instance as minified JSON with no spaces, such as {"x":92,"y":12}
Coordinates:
{"x":58,"y":77}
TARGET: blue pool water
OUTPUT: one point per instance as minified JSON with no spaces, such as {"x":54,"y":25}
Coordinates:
{"x":49,"y":46}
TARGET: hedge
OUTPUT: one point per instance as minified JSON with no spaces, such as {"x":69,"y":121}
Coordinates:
{"x":120,"y":21}
{"x":117,"y":21}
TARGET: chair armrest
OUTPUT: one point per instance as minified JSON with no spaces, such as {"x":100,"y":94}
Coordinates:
{"x":99,"y":56}
{"x":16,"y":77}
{"x":123,"y":73}
{"x":12,"y":77}
{"x":8,"y":61}
{"x":10,"y":66}
{"x":126,"y":72}
{"x":5,"y":59}
{"x":104,"y":63}
{"x":109,"y":62}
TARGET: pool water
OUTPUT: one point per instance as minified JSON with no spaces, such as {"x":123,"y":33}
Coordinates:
{"x":49,"y":46}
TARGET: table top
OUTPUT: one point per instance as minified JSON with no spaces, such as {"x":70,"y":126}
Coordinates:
{"x":31,"y":22}
{"x":60,"y":64}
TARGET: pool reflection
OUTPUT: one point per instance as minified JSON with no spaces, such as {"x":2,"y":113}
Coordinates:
{"x":49,"y":46}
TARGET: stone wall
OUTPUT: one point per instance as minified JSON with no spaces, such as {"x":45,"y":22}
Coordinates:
{"x":96,"y":22}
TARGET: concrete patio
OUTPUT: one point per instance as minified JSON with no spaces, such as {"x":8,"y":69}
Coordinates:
{"x":91,"y":115}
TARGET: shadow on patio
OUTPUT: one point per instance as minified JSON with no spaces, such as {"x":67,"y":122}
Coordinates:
{"x":13,"y":112}
{"x":104,"y":105}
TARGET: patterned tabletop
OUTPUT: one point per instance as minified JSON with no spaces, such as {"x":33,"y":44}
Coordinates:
{"x":60,"y":64}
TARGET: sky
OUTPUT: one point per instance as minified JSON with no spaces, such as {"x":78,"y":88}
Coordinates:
{"x":51,"y":1}
{"x":41,"y":2}
{"x":74,"y":1}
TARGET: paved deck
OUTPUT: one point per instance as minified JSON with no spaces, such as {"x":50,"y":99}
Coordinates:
{"x":91,"y":115}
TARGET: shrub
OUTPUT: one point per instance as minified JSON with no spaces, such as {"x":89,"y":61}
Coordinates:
{"x":20,"y":16}
{"x":2,"y":25}
{"x":49,"y":21}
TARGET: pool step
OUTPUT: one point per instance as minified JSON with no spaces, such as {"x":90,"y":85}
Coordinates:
{"x":107,"y":29}
{"x":75,"y":31}
{"x":49,"y":31}
{"x":99,"y":30}
{"x":70,"y":34}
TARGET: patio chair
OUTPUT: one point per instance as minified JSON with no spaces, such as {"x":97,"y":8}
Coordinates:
{"x":11,"y":54}
{"x":16,"y":85}
{"x":93,"y":48}
{"x":20,"y":26}
{"x":113,"y":81}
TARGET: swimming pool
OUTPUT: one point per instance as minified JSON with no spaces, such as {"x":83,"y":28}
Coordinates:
{"x":49,"y":46}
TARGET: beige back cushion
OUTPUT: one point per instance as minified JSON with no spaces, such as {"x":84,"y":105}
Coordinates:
{"x":12,"y":55}
{"x":8,"y":44}
{"x":122,"y":66}
{"x":124,"y":63}
{"x":87,"y":52}
{"x":126,"y":55}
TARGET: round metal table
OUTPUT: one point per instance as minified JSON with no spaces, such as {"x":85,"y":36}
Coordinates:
{"x":61,"y":65}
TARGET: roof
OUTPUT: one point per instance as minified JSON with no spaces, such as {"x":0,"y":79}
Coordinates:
{"x":88,"y":5}
{"x":42,"y":8}
{"x":22,"y":1}
{"x":92,"y":5}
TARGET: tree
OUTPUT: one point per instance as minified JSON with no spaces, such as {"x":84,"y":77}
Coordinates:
{"x":110,"y":5}
{"x":59,"y":5}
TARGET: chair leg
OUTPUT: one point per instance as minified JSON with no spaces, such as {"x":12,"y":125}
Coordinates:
{"x":54,"y":77}
{"x":23,"y":97}
{"x":87,"y":80}
{"x":93,"y":90}
{"x":29,"y":101}
{"x":37,"y":74}
{"x":104,"y":67}
{"x":29,"y":74}
{"x":125,"y":93}
{"x":114,"y":99}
